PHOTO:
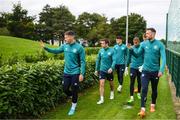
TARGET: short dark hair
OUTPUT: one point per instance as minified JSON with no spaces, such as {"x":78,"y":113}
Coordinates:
{"x":70,"y":32}
{"x":105,"y":40}
{"x":119,"y":37}
{"x":151,"y":29}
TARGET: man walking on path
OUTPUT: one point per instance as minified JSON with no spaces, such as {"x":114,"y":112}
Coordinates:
{"x":74,"y":69}
{"x":140,"y":67}
{"x":121,"y":52}
{"x":105,"y":64}
{"x":135,"y":63}
{"x":154,"y":53}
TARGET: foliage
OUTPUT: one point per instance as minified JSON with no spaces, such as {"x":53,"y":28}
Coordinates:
{"x":29,"y":90}
{"x":137,"y":26}
{"x":60,"y":21}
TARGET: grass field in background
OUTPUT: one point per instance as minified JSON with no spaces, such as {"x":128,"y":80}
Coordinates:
{"x":19,"y":46}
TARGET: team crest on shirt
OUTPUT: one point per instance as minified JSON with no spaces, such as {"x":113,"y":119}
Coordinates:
{"x":116,"y":48}
{"x":66,"y":49}
{"x":109,"y":53}
{"x":74,"y":50}
{"x":102,"y":53}
{"x":122,"y":48}
{"x":146,"y":47}
{"x":155,"y":47}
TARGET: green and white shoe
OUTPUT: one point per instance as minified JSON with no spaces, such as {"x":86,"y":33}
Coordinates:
{"x":139,"y":96}
{"x":71,"y":112}
{"x":130,"y":101}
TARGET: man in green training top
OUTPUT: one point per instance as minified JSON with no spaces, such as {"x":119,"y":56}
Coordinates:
{"x":121,"y":53}
{"x":105,"y":64}
{"x":135,"y":63}
{"x":153,"y":51}
{"x":74,"y":68}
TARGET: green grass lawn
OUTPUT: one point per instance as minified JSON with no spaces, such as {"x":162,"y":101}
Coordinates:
{"x":115,"y":109}
{"x":87,"y":107}
{"x":12,"y":45}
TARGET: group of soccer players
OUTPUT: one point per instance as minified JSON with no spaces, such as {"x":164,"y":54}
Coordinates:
{"x":147,"y":62}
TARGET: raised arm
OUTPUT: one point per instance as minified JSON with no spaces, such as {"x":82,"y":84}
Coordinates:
{"x":138,"y":53}
{"x":52,"y":50}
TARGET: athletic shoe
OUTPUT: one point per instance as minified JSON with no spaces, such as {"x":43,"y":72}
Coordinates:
{"x":152,"y":108}
{"x":71,"y":112}
{"x":100,"y":102}
{"x":138,"y":96}
{"x":111,"y":96}
{"x":142,"y":114}
{"x":119,"y":88}
{"x":130,"y":100}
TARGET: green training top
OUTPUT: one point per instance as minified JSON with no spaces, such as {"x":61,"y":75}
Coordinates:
{"x":74,"y":55}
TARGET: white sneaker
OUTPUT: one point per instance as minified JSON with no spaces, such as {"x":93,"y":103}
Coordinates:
{"x":100,"y":102}
{"x":119,"y":88}
{"x":111,"y":96}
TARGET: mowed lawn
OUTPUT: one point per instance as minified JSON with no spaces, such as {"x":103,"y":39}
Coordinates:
{"x":117,"y":108}
{"x":19,"y":46}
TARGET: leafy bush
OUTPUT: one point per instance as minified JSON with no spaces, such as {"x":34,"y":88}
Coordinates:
{"x":92,"y":50}
{"x":4,"y":31}
{"x":39,"y":56}
{"x":13,"y":59}
{"x":29,"y":90}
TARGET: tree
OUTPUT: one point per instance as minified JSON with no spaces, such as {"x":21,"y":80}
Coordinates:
{"x":102,"y":30}
{"x":137,"y":26}
{"x":19,"y":24}
{"x":60,"y":21}
{"x":86,"y":22}
{"x":3,"y":23}
{"x":4,"y":19}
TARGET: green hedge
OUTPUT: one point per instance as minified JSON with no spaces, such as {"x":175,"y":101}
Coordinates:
{"x":29,"y":90}
{"x":39,"y":56}
{"x":92,"y":50}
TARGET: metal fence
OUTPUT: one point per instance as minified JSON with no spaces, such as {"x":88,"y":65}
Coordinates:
{"x":173,"y":63}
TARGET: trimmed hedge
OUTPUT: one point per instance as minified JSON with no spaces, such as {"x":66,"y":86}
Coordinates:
{"x":39,"y":56}
{"x":29,"y":90}
{"x":92,"y":50}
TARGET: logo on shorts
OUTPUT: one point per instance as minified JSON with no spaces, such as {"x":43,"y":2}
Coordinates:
{"x":131,"y":74}
{"x":143,"y":75}
{"x":75,"y":83}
